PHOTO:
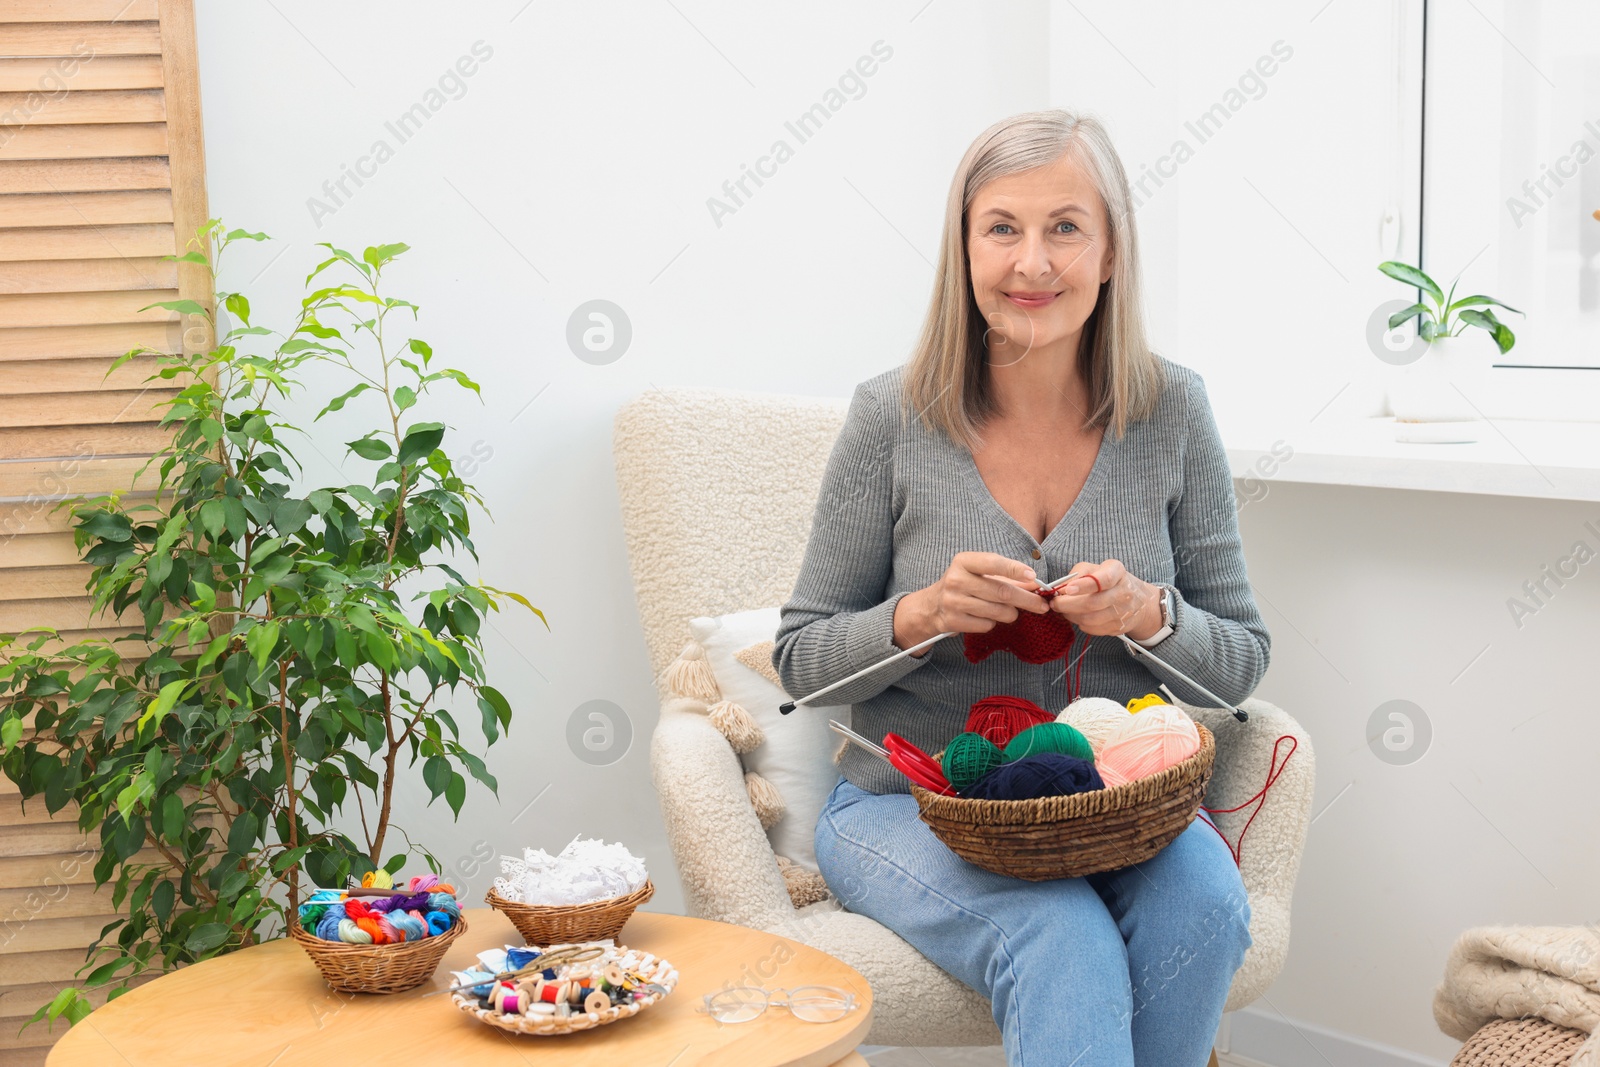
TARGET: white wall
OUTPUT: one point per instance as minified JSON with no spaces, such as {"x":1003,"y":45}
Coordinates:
{"x":577,"y":166}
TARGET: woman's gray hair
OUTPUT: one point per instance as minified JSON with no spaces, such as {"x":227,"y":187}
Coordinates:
{"x":945,"y":384}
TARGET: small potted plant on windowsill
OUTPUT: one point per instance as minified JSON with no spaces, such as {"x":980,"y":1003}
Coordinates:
{"x":1431,"y":396}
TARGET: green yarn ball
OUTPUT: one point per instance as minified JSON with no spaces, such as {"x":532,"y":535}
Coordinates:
{"x":968,"y":757}
{"x":1048,"y":737}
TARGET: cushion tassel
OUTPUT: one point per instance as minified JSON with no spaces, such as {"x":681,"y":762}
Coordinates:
{"x":690,"y":675}
{"x":765,"y":798}
{"x":735,"y":723}
{"x":805,"y":886}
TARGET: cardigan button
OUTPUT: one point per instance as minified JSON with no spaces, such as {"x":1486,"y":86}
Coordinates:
{"x":1036,"y":553}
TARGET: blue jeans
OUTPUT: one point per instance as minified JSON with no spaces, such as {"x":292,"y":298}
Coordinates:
{"x":1110,"y":970}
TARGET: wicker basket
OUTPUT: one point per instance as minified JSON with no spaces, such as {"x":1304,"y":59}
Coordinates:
{"x":1530,"y":1042}
{"x":1082,"y":833}
{"x":391,"y":968}
{"x":654,"y":970}
{"x":556,"y":924}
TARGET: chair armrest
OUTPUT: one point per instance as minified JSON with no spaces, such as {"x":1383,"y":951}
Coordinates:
{"x":1270,"y":853}
{"x":725,"y":861}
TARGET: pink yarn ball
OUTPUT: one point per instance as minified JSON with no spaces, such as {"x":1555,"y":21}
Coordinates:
{"x":1151,"y":741}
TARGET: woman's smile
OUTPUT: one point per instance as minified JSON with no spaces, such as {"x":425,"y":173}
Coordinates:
{"x":1031,"y":300}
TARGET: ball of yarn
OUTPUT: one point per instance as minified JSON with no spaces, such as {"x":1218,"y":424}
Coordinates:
{"x":968,"y":757}
{"x":1000,"y":718}
{"x":1048,"y":737}
{"x":1158,"y":737}
{"x":1048,"y":774}
{"x":1149,"y":700}
{"x":1096,"y":718}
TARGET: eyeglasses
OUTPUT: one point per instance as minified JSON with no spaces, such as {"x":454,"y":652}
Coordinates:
{"x":810,"y":1003}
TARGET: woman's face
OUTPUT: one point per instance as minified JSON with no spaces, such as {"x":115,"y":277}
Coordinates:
{"x":1038,"y":248}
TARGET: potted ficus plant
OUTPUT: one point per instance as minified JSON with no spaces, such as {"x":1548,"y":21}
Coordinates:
{"x":302,"y":652}
{"x":1437,"y":387}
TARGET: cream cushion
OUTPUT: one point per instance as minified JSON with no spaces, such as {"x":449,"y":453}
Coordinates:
{"x":797,"y":754}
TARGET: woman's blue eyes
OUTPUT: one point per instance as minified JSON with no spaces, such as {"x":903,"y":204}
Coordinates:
{"x":1063,"y":222}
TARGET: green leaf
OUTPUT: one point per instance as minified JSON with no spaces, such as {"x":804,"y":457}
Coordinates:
{"x":1503,"y":337}
{"x":396,"y":861}
{"x":378,"y":255}
{"x":422,"y":349}
{"x":436,"y":774}
{"x":207,"y":937}
{"x":242,"y":835}
{"x":238,"y":305}
{"x":290,"y":516}
{"x":185,"y":307}
{"x":10,"y":731}
{"x":370,"y":448}
{"x":107,"y":526}
{"x":164,"y":701}
{"x":172,"y":816}
{"x":404,"y":397}
{"x":261,"y":641}
{"x":455,"y":794}
{"x":338,"y":402}
{"x":1409,"y":313}
{"x":419,"y":440}
{"x":212,"y":518}
{"x":1412,"y":276}
{"x":161,"y":900}
{"x":501,"y":706}
{"x":1480,"y":301}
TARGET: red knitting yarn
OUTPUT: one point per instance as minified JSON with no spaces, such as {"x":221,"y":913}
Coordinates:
{"x":1000,"y":718}
{"x":1031,"y":638}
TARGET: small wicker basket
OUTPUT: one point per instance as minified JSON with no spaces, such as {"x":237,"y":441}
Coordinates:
{"x":556,"y":924}
{"x":391,"y":968}
{"x":1082,"y":833}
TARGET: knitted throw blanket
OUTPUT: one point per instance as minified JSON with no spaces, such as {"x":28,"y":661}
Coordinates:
{"x":1510,"y":972}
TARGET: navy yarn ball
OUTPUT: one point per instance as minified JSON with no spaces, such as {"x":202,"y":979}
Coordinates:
{"x":1046,"y":774}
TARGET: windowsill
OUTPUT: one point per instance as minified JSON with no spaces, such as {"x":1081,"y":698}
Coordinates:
{"x":1512,"y":457}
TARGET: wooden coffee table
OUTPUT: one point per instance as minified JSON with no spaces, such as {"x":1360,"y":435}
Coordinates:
{"x":267,"y":1005}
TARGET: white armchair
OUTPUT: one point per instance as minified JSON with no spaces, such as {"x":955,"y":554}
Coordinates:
{"x":717,"y":491}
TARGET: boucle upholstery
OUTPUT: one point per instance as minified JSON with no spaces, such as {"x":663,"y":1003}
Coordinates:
{"x":717,"y":490}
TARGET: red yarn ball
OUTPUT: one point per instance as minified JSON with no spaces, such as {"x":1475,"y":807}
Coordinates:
{"x":1000,"y":718}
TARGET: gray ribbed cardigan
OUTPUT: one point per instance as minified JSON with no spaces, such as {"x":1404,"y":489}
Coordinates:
{"x":897,"y":503}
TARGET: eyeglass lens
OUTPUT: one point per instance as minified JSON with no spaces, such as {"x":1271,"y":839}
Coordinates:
{"x":814,"y":1004}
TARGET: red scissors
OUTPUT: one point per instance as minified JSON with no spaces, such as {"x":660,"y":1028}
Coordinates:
{"x":917,"y":765}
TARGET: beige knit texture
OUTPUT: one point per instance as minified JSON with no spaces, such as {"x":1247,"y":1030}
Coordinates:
{"x":1512,"y":972}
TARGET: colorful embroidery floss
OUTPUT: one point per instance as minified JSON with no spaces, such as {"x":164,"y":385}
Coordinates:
{"x":424,"y":907}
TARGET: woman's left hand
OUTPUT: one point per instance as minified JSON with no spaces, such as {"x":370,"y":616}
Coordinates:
{"x":1123,"y":604}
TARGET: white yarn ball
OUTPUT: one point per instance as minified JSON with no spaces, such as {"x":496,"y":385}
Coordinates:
{"x":1096,"y":718}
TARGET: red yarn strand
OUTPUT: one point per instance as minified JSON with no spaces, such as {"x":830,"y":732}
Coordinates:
{"x":1274,"y":771}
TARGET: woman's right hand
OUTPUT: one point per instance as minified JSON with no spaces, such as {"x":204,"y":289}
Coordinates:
{"x":979,"y":591}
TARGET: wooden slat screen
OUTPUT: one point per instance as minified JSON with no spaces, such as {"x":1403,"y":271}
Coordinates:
{"x":102,"y":172}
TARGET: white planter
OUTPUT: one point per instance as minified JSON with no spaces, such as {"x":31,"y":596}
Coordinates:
{"x":1434,"y":398}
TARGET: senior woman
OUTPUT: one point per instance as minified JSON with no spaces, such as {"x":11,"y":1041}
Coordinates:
{"x":1032,"y":434}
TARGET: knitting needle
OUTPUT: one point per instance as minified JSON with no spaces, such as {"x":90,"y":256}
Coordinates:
{"x":1139,"y":650}
{"x":825,"y":690}
{"x":880,"y":751}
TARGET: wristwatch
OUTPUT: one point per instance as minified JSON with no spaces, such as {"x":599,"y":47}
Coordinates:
{"x":1168,"y":615}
